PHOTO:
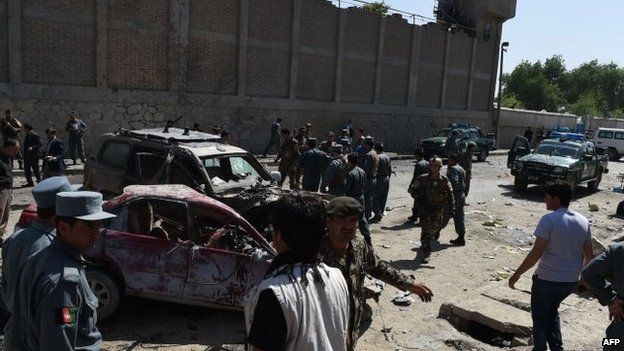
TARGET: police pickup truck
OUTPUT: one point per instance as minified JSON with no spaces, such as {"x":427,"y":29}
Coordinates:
{"x":436,"y":144}
{"x":565,"y":156}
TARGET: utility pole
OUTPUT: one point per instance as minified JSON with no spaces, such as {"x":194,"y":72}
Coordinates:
{"x":504,"y":46}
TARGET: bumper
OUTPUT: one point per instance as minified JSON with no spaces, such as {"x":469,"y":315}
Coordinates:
{"x":540,"y":178}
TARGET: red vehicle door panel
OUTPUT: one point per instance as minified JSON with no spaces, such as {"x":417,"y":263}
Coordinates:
{"x":151,"y":267}
{"x":221,"y":277}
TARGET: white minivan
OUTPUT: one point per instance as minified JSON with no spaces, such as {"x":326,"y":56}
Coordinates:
{"x":612,"y":140}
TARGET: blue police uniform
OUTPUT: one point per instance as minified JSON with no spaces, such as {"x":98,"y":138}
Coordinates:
{"x":25,"y":243}
{"x":457,"y":177}
{"x":312,"y":164}
{"x":334,"y":177}
{"x":55,"y":308}
{"x":355,"y":187}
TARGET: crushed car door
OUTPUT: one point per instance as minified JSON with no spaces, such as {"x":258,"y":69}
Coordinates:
{"x":108,"y":172}
{"x":227,"y":260}
{"x":151,"y":264}
{"x":519,"y":148}
{"x":153,"y":168}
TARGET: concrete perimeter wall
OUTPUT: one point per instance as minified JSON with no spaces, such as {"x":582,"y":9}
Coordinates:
{"x":240,"y":64}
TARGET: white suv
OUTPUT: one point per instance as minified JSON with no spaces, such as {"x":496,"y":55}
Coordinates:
{"x":611,"y":139}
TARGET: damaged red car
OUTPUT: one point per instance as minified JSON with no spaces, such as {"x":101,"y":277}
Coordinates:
{"x":172,"y":243}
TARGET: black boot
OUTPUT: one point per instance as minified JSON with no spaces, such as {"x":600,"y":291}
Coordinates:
{"x":459,"y":241}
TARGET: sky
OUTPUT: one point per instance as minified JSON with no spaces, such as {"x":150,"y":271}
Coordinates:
{"x":579,"y":30}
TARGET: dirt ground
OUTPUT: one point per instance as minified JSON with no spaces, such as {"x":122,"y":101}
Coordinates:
{"x":454,"y":273}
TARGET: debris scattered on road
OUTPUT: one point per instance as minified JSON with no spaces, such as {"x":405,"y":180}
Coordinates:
{"x":491,"y":257}
{"x":389,"y":209}
{"x":508,"y":204}
{"x":497,"y":223}
{"x":593,"y":207}
{"x":402,"y":299}
{"x":385,"y":246}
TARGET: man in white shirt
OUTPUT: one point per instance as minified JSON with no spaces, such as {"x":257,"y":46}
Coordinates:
{"x":562,"y":247}
{"x":301,"y":304}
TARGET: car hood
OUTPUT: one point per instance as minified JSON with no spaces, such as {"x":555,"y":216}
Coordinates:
{"x":435,"y":140}
{"x":549,"y":160}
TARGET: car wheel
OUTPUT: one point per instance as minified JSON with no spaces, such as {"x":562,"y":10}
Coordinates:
{"x":593,"y":185}
{"x":520,"y":185}
{"x":613,"y":154}
{"x":573,"y":185}
{"x":107,"y":292}
{"x":482,"y":155}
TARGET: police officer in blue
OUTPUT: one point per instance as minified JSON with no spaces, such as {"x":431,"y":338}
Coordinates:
{"x":25,"y":243}
{"x":334,"y":176}
{"x":55,"y":308}
{"x":355,"y":187}
{"x":457,"y":176}
{"x":312,"y":163}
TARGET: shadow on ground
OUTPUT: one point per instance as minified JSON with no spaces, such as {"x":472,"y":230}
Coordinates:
{"x":141,"y":321}
{"x":535,"y":193}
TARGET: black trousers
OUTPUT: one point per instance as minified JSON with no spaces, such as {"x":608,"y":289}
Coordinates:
{"x":31,"y":166}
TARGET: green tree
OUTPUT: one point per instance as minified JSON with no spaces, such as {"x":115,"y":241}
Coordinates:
{"x":379,"y":8}
{"x":530,"y":85}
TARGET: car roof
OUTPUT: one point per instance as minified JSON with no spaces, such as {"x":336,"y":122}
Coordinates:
{"x":173,"y":134}
{"x":570,"y":142}
{"x":212,"y":149}
{"x":178,"y":192}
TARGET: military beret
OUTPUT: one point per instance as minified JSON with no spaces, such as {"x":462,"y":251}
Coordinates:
{"x":50,"y":130}
{"x":45,"y":191}
{"x":436,"y":161}
{"x":379,"y":145}
{"x":344,"y":206}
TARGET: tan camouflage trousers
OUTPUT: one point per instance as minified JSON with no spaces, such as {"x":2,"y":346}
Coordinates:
{"x":292,"y":172}
{"x":431,"y":223}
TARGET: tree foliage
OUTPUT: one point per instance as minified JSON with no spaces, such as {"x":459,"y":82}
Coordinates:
{"x":379,"y":8}
{"x":592,"y":88}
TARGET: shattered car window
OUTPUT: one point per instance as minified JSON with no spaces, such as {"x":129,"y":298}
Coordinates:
{"x":562,"y":150}
{"x":232,"y":171}
{"x":216,"y":231}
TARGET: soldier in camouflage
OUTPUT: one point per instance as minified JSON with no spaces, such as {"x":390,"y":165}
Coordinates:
{"x":370,"y":165}
{"x":328,"y":143}
{"x":334,"y":177}
{"x":465,"y":161}
{"x":457,"y":176}
{"x":288,"y":159}
{"x":433,"y":193}
{"x":342,"y":249}
{"x":384,"y":171}
{"x":421,"y":167}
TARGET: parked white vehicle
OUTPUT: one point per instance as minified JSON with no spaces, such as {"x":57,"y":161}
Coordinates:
{"x":612,"y":140}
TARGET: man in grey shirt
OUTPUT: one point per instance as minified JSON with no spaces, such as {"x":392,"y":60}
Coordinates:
{"x":562,"y":247}
{"x":605,"y":276}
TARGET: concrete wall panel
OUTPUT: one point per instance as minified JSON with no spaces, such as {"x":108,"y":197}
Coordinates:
{"x":316,"y":78}
{"x":58,"y":42}
{"x":138,"y":40}
{"x":4,"y":42}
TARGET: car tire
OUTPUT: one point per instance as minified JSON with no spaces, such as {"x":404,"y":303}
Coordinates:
{"x":613,"y":154}
{"x":107,"y":292}
{"x":520,"y":186}
{"x":573,"y":185}
{"x":593,"y":185}
{"x":483,"y":154}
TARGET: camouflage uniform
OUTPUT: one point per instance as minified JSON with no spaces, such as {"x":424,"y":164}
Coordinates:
{"x":355,"y":262}
{"x":465,"y":161}
{"x":370,"y":163}
{"x":421,"y":167}
{"x":433,"y":195}
{"x":289,"y":155}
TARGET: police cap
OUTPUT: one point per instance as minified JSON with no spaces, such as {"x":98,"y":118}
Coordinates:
{"x":344,"y":206}
{"x":45,"y":191}
{"x":436,"y":161}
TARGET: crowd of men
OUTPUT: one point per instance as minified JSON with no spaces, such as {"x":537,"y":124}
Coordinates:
{"x":312,"y":296}
{"x":30,"y":151}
